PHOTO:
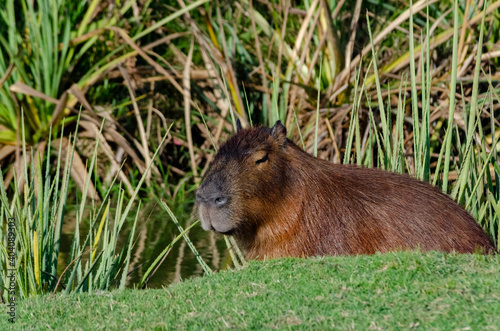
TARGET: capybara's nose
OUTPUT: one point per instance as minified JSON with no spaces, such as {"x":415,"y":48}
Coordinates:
{"x":217,"y":199}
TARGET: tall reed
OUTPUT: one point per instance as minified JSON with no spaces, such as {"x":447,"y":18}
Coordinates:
{"x":96,"y":261}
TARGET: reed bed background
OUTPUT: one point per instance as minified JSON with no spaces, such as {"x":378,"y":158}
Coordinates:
{"x":105,"y":103}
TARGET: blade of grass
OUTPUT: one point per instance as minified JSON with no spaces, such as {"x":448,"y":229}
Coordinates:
{"x":205,"y":267}
{"x":451,"y":109}
{"x":379,"y":95}
{"x":129,"y":249}
{"x":458,"y":190}
{"x":155,"y":262}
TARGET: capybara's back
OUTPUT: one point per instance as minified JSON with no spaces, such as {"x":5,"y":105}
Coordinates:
{"x":278,"y":201}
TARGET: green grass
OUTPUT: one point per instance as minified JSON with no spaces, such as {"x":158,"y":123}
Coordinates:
{"x":390,"y":108}
{"x":398,"y":290}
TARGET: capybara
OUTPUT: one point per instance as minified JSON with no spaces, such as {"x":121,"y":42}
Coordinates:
{"x":277,"y":201}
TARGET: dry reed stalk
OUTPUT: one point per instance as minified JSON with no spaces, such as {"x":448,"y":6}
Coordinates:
{"x":336,"y":157}
{"x":350,"y":43}
{"x":465,"y":64}
{"x":404,"y":60}
{"x":78,"y":171}
{"x":165,"y":40}
{"x":259,"y":53}
{"x":333,"y":55}
{"x":148,"y":59}
{"x":232,"y":82}
{"x":93,"y":129}
{"x":315,"y":57}
{"x":293,"y":11}
{"x":217,"y":55}
{"x":489,"y":56}
{"x":417,"y":7}
{"x":305,"y":51}
{"x":221,"y":103}
{"x":149,"y":120}
{"x":307,"y":41}
{"x":7,"y":74}
{"x":80,"y":39}
{"x":59,"y":110}
{"x":439,"y":20}
{"x":187,"y":110}
{"x":461,"y":49}
{"x":281,"y":44}
{"x":142,"y":133}
{"x":301,"y":36}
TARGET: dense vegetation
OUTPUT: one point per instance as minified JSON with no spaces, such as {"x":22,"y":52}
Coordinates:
{"x":104,"y":104}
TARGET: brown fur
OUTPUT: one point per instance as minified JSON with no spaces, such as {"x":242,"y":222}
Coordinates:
{"x":278,"y":201}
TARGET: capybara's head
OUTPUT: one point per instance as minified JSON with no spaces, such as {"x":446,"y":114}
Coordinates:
{"x":244,"y":181}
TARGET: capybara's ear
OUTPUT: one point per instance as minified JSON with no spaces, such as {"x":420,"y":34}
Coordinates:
{"x":238,"y":125}
{"x":278,"y":132}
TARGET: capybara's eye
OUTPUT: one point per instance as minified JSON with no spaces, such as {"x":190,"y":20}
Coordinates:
{"x":264,"y":159}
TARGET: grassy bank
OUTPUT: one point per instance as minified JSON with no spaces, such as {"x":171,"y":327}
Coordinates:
{"x":92,"y":92}
{"x":402,"y":290}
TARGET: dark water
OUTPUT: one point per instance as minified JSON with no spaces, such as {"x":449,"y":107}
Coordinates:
{"x":154,"y":232}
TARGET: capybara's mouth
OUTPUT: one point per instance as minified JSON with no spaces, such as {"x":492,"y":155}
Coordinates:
{"x":228,"y":233}
{"x":215,"y":219}
{"x":223,"y":228}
